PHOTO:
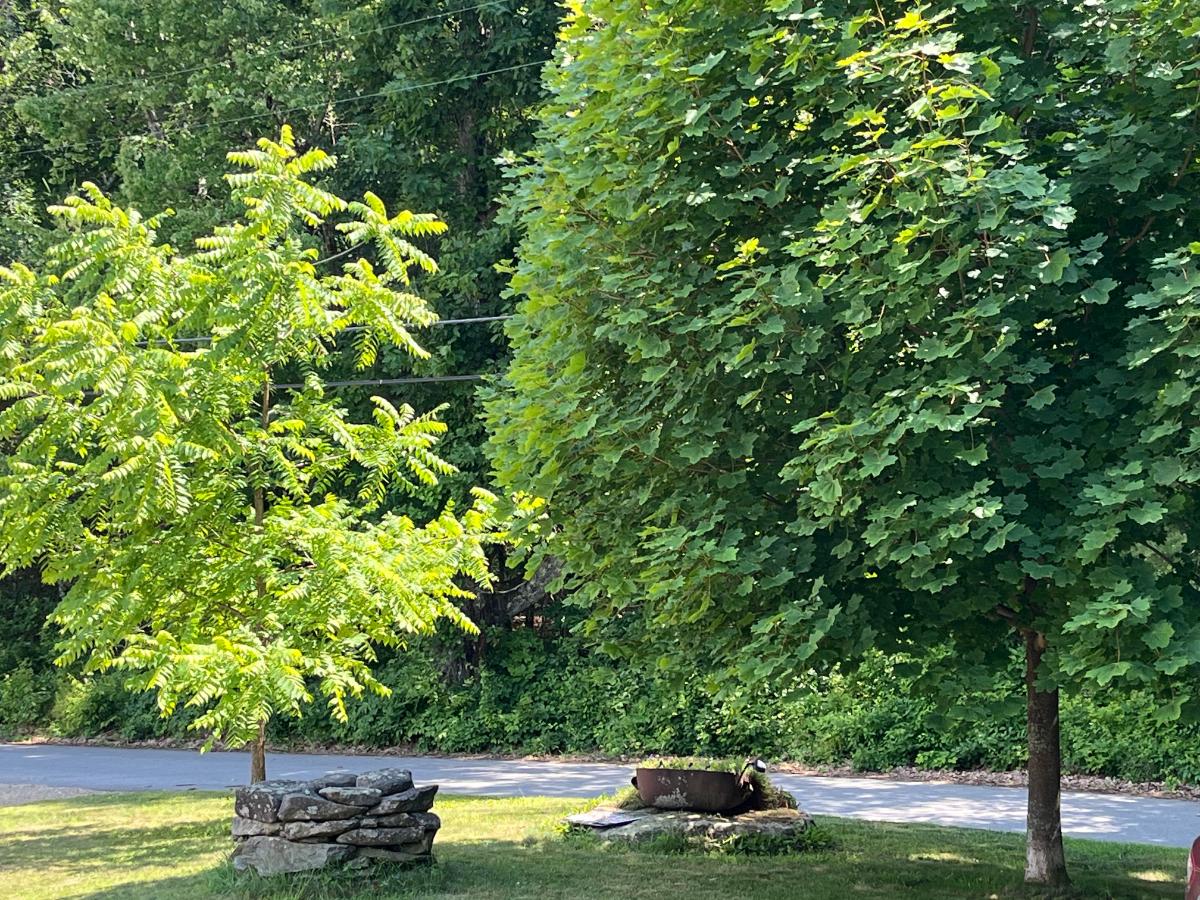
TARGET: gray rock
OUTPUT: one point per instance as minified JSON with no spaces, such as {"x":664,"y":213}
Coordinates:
{"x":427,"y":820}
{"x":297,"y":807}
{"x":709,"y":827}
{"x":386,"y":781}
{"x":275,"y":856}
{"x":396,"y":820}
{"x":382,"y":837}
{"x":412,"y":800}
{"x":418,"y":851}
{"x":261,"y":801}
{"x":243,"y":827}
{"x":355,"y":796}
{"x":307,"y":831}
{"x":332,"y":779}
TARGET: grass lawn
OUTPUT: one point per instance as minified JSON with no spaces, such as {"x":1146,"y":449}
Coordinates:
{"x":176,"y":846}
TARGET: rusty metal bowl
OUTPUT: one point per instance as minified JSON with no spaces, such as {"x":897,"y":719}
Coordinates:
{"x":700,"y":790}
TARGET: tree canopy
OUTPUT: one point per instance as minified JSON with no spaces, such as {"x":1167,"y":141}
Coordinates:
{"x":418,"y":99}
{"x":195,"y":511}
{"x":870,"y":327}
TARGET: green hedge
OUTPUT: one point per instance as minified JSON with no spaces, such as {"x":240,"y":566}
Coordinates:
{"x":538,"y":694}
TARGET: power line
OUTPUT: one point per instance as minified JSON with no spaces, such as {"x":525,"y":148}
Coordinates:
{"x":471,"y":320}
{"x":212,"y":123}
{"x":383,"y":382}
{"x":363,"y":382}
{"x":264,"y":51}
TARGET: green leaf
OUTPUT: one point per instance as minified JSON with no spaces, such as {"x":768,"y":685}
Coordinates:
{"x":1051,"y":270}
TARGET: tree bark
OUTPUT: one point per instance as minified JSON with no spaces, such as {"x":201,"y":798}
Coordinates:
{"x":258,"y":755}
{"x":1045,"y":863}
{"x":258,"y":752}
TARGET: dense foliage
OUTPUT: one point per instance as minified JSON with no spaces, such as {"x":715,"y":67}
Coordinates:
{"x":418,"y":99}
{"x":815,"y":349}
{"x":549,"y":694}
{"x":833,"y":324}
{"x":193,"y":518}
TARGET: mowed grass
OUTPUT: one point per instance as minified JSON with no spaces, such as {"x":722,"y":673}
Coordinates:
{"x":177,"y":846}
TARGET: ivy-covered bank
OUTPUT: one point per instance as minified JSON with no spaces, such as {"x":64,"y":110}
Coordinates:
{"x":537,"y":693}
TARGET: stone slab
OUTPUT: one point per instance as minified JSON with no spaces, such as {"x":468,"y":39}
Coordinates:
{"x":386,"y":781}
{"x":382,"y":837}
{"x":314,"y":808}
{"x":709,"y":827}
{"x":320,"y":831}
{"x":607,"y":817}
{"x":411,"y":800}
{"x":276,"y":856}
{"x":261,"y":801}
{"x":332,"y":779}
{"x":354,"y":796}
{"x":243,"y":827}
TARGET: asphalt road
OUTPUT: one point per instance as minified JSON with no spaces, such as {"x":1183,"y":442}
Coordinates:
{"x":1111,"y":817}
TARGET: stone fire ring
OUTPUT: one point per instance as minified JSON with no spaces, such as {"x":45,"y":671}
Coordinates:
{"x":337,"y":819}
{"x":609,"y":823}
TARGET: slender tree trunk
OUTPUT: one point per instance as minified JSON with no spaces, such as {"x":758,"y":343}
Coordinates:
{"x":258,"y":752}
{"x":258,"y":755}
{"x":1044,"y":860}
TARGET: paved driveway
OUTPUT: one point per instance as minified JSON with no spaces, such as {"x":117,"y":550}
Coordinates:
{"x":1174,"y":823}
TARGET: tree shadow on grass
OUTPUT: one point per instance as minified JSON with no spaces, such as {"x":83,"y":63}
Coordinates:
{"x":557,"y":870}
{"x":86,"y":846}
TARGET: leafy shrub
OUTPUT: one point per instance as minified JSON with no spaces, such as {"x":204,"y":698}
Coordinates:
{"x":102,"y":704}
{"x":812,"y":838}
{"x":540,"y":693}
{"x":24,"y":698}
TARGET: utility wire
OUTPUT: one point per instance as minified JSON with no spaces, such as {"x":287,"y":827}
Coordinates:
{"x":271,"y":51}
{"x":472,"y":320}
{"x":363,"y":382}
{"x":213,"y":123}
{"x":382,"y":382}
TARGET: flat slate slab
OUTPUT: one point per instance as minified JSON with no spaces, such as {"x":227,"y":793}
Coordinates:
{"x":607,"y":817}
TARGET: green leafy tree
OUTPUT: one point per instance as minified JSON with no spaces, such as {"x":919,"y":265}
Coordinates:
{"x":197,"y":511}
{"x":419,"y":99}
{"x":849,"y":327}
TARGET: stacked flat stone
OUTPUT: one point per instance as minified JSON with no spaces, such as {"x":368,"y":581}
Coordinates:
{"x":337,"y":819}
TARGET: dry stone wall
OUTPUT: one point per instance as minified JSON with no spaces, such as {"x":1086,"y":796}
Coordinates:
{"x":337,"y":819}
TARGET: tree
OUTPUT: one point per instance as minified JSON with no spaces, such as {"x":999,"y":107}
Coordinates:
{"x":154,"y":464}
{"x":418,"y":99}
{"x":847,"y":328}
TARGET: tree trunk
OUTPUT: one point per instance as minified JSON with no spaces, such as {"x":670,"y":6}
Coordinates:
{"x":258,"y":755}
{"x":258,"y":751}
{"x":1045,"y":863}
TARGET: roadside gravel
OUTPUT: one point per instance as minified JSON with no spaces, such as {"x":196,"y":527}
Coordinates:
{"x":16,"y":794}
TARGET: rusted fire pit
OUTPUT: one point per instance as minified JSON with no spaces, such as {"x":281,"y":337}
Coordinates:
{"x":698,"y":790}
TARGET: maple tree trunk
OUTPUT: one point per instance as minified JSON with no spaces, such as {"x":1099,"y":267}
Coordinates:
{"x":1044,"y":860}
{"x":258,"y":755}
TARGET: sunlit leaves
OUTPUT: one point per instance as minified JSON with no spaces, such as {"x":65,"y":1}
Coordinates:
{"x":135,"y":433}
